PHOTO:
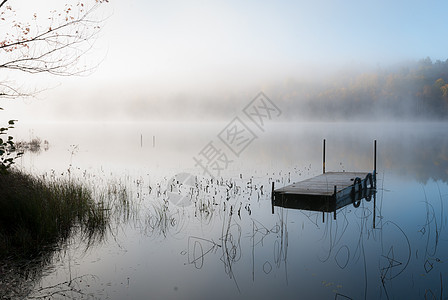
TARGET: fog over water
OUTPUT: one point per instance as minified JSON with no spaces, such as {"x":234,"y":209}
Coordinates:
{"x":178,"y":61}
{"x":229,"y":240}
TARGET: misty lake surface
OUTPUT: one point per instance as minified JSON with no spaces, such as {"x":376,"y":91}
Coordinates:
{"x":226,"y":243}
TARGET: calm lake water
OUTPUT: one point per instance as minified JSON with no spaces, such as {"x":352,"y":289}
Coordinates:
{"x":227,"y":243}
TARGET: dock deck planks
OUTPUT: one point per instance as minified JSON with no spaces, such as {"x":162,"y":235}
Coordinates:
{"x":322,"y":185}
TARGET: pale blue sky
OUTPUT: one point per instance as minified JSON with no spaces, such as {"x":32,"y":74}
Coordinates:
{"x":205,"y":36}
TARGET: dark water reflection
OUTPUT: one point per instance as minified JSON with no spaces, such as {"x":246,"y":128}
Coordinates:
{"x":229,"y":245}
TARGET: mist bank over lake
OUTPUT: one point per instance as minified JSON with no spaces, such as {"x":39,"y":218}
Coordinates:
{"x":407,"y":91}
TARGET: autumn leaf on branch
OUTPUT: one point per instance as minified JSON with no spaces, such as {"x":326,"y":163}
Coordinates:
{"x":53,"y":44}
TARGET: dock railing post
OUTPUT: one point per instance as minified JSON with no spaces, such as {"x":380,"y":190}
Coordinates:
{"x":374,"y":163}
{"x":335,"y":200}
{"x":323,"y":163}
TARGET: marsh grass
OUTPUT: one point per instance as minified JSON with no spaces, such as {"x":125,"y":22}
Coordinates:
{"x":38,"y":214}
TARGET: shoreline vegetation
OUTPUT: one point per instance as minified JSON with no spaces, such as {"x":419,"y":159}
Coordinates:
{"x":34,"y":145}
{"x":39,"y":216}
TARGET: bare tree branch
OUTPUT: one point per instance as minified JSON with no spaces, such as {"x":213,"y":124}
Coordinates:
{"x":3,"y":2}
{"x":7,"y":91}
{"x":57,"y":48}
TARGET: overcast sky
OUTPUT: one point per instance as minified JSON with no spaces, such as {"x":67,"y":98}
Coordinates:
{"x":154,"y":50}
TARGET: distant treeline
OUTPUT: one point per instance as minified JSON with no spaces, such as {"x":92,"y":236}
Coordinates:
{"x":412,"y":90}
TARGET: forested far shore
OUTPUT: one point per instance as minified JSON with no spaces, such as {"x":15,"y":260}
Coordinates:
{"x":416,"y":90}
{"x":413,"y":90}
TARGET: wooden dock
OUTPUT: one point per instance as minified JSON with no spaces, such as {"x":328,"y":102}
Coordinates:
{"x":327,"y":192}
{"x":322,"y":185}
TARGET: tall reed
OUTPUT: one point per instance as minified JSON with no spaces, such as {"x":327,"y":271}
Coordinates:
{"x":37,"y":213}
